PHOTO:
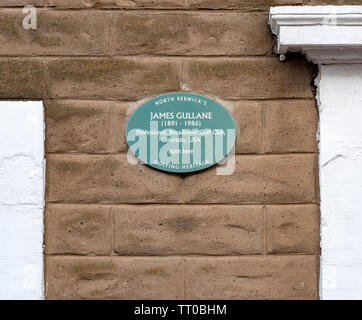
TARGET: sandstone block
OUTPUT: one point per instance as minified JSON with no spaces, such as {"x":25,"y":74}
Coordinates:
{"x":256,"y":179}
{"x":85,"y":126}
{"x":181,"y":230}
{"x":119,"y":78}
{"x":249,"y":78}
{"x":291,"y":126}
{"x":75,"y":229}
{"x":115,"y":278}
{"x":21,"y":78}
{"x":292,"y":229}
{"x":253,"y":278}
{"x":211,"y":33}
{"x":57,"y":33}
{"x":108,"y":179}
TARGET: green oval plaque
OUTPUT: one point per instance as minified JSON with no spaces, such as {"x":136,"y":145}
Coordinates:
{"x":181,"y":132}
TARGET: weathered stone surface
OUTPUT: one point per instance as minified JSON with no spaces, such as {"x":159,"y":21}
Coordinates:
{"x":107,"y":179}
{"x":57,"y":33}
{"x":21,"y":3}
{"x":172,"y":4}
{"x":208,"y":230}
{"x":248,"y":119}
{"x":240,"y":4}
{"x":249,"y":78}
{"x":292,"y":229}
{"x":288,"y":277}
{"x":120,"y":78}
{"x":119,"y":118}
{"x":115,"y":278}
{"x":85,"y":126}
{"x":21,"y":78}
{"x":78,"y":229}
{"x":175,"y":33}
{"x":256,"y":179}
{"x":95,"y":126}
{"x":291,"y":126}
{"x":111,"y":179}
{"x":138,"y":211}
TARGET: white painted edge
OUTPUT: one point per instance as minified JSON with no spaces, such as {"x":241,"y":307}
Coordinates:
{"x":340,"y":109}
{"x":22,"y":184}
{"x":297,"y":10}
{"x":325,"y":34}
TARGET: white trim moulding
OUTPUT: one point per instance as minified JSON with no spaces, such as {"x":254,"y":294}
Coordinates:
{"x":325,"y":34}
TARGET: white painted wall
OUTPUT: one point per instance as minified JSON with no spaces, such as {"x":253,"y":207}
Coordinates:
{"x":340,"y":104}
{"x":21,"y":199}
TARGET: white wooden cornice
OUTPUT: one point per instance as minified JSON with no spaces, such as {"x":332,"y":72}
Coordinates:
{"x":325,"y":34}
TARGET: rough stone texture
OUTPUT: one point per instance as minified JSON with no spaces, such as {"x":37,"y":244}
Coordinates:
{"x":112,"y":179}
{"x":182,"y":4}
{"x":292,"y":229}
{"x":75,"y":229}
{"x":249,"y":78}
{"x":108,"y":179}
{"x":119,"y":78}
{"x":208,"y":230}
{"x":239,"y":4}
{"x":190,"y":33}
{"x":57,"y":33}
{"x":256,"y":179}
{"x":85,"y":126}
{"x":288,"y":277}
{"x":115,"y":278}
{"x":21,"y":78}
{"x":167,"y":4}
{"x":173,"y":4}
{"x":95,"y":126}
{"x":21,"y":3}
{"x":291,"y":126}
{"x":248,"y":119}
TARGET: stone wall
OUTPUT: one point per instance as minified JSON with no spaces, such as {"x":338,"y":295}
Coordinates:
{"x":120,"y":231}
